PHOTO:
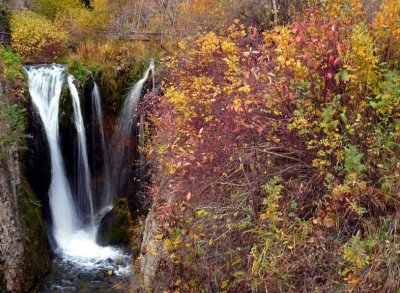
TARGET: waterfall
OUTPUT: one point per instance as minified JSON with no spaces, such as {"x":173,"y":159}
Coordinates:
{"x":45,"y":85}
{"x":76,"y":240}
{"x":84,"y":182}
{"x":74,"y":225}
{"x":107,"y":201}
{"x":124,"y":130}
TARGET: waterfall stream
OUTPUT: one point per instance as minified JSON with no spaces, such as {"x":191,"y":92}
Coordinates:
{"x":124,"y":130}
{"x":84,"y":190}
{"x":45,"y":85}
{"x":75,"y":236}
{"x":75,"y":217}
{"x":107,"y":200}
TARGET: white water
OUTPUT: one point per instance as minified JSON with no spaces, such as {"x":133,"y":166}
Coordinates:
{"x":73,"y":215}
{"x":75,"y":239}
{"x":107,"y":199}
{"x":84,"y":182}
{"x":45,"y":85}
{"x":124,"y":130}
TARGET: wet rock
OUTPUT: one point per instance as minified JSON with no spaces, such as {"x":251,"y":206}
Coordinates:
{"x":36,"y":160}
{"x":66,"y":277}
{"x":119,"y":261}
{"x":115,"y":226}
{"x":86,"y":276}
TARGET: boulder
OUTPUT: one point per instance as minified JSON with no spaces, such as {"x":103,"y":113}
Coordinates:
{"x":115,"y":226}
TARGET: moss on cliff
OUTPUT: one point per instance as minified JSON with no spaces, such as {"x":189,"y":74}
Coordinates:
{"x":115,"y":227}
{"x":37,"y":249}
{"x":119,"y":232}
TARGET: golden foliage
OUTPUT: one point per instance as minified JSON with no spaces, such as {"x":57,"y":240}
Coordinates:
{"x":36,"y":38}
{"x":54,"y":8}
{"x":83,"y":23}
{"x":386,"y":29}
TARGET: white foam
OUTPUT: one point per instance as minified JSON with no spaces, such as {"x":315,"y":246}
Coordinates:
{"x":82,"y":244}
{"x":82,"y":250}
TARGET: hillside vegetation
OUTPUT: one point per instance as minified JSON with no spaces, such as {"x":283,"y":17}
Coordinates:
{"x":277,"y":155}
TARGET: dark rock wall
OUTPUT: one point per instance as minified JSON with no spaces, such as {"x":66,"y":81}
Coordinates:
{"x":11,"y":244}
{"x":37,"y":161}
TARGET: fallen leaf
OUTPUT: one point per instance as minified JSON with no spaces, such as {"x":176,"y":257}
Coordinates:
{"x":329,"y":222}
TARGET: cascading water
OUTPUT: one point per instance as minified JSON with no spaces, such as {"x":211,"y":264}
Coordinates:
{"x":98,"y":116}
{"x":75,"y":238}
{"x":45,"y":85}
{"x":84,"y":188}
{"x":74,"y":225}
{"x":124,"y":130}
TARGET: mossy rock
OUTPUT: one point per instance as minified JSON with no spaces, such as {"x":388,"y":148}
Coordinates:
{"x":136,"y":234}
{"x":37,"y":249}
{"x":115,"y":225}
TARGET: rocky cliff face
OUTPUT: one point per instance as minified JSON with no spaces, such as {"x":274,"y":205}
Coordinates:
{"x":154,"y":262}
{"x":11,"y":244}
{"x":24,"y":249}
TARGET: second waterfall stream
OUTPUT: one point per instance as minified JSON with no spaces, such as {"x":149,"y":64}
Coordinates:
{"x":74,"y":216}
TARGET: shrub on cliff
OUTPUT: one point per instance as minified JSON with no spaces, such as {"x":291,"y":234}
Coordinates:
{"x":12,"y":64}
{"x":37,"y":39}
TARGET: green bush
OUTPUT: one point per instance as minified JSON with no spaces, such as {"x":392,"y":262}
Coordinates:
{"x":12,"y":64}
{"x":14,"y":117}
{"x":78,"y":69}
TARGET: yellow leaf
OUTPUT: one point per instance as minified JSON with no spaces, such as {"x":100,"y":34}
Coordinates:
{"x":159,"y":236}
{"x":224,"y":284}
{"x":168,"y":244}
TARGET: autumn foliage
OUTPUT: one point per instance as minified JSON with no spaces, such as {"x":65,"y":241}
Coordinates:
{"x":277,"y":155}
{"x":36,"y":38}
